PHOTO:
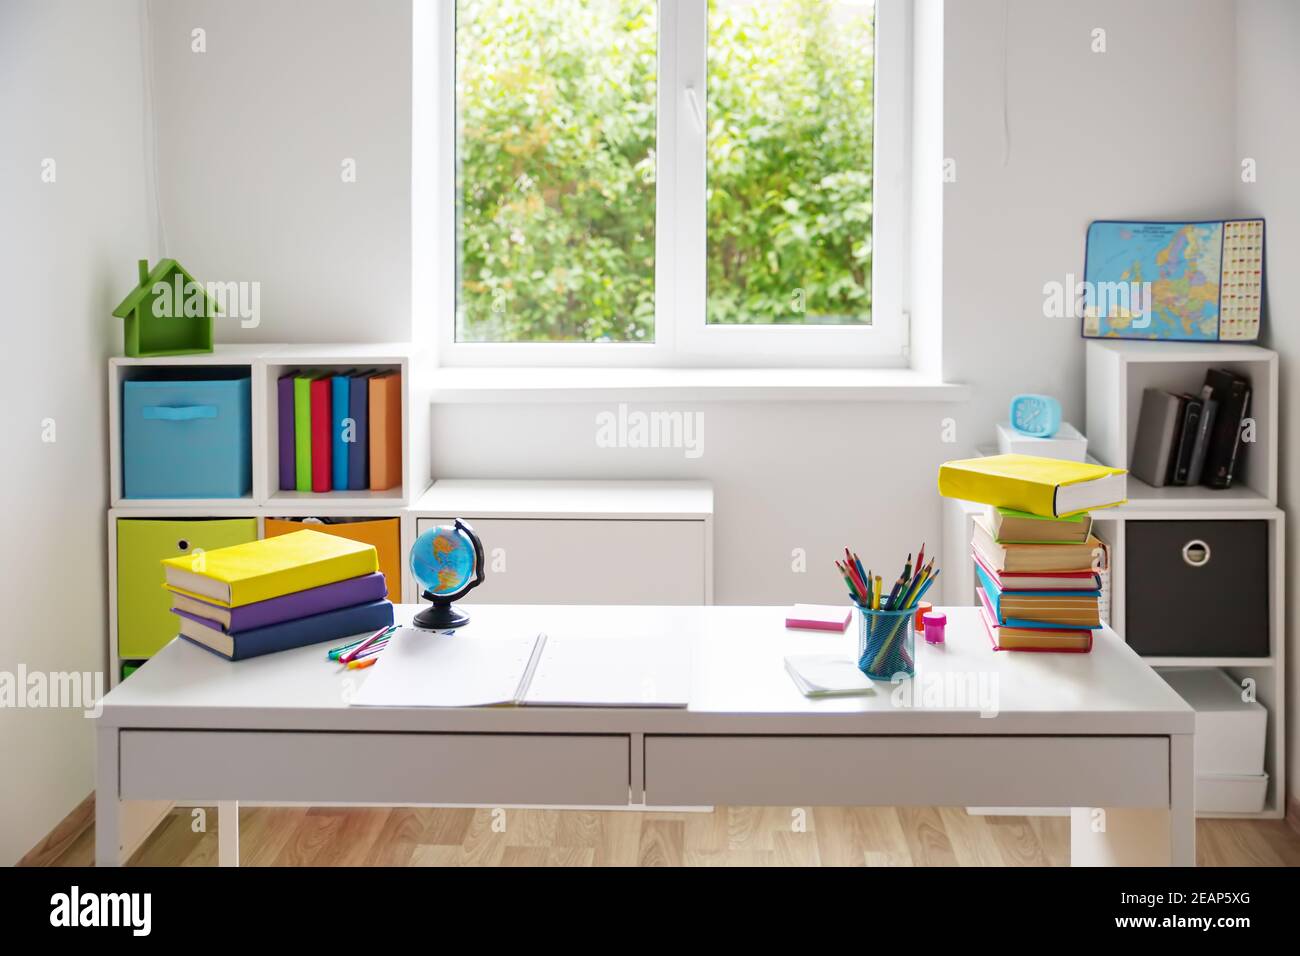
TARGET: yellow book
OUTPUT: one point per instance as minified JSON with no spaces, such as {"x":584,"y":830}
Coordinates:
{"x":1047,"y":487}
{"x":258,"y":570}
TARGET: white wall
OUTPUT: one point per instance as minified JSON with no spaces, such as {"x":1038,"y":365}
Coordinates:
{"x":255,"y":132}
{"x":814,"y":476}
{"x":1135,"y":132}
{"x":70,"y":90}
{"x":788,"y":476}
{"x":1268,"y":131}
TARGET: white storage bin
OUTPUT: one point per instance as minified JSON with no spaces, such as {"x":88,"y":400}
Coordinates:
{"x":1231,"y":793}
{"x":1229,"y":731}
{"x":1067,"y":444}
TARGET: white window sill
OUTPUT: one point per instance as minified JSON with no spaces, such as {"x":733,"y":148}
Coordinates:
{"x":575,"y":385}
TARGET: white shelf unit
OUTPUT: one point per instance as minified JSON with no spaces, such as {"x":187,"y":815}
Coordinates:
{"x":265,"y":363}
{"x":1117,"y":373}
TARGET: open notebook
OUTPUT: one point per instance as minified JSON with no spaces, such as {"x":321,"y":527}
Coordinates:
{"x":426,"y":669}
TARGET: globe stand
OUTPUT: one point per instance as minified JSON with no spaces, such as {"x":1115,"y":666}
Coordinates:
{"x":442,"y":615}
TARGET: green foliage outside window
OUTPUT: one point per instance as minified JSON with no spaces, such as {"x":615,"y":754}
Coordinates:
{"x":557,"y":162}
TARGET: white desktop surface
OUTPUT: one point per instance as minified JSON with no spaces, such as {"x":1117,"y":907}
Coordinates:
{"x":737,"y":670}
{"x":1087,"y":731}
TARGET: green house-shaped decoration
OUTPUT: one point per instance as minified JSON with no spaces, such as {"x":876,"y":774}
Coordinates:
{"x":168,"y":313}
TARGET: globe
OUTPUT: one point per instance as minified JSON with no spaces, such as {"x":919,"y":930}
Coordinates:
{"x":447,"y":562}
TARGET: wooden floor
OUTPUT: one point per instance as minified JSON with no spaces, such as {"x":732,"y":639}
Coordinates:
{"x":729,"y":836}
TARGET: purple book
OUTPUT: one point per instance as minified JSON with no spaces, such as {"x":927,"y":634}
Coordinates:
{"x":288,"y":472}
{"x":287,"y":607}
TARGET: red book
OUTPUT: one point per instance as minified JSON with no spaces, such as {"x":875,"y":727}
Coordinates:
{"x":322,"y":408}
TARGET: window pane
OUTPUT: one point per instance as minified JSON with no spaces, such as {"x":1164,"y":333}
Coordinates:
{"x":789,"y":161}
{"x":556,"y":177}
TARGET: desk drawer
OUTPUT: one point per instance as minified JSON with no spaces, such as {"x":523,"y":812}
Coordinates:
{"x":587,"y":561}
{"x":908,"y":771}
{"x":374,"y":768}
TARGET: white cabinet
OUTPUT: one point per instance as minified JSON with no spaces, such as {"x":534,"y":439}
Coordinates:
{"x":595,"y":542}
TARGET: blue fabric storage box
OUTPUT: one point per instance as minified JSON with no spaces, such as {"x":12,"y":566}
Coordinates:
{"x":187,"y":437}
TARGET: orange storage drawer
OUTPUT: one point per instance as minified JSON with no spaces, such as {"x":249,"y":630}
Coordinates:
{"x":384,"y":533}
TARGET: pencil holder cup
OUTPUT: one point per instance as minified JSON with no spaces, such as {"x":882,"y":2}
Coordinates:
{"x":886,"y":643}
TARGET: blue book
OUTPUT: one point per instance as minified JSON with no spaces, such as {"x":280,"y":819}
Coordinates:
{"x":340,"y":391}
{"x":994,"y":594}
{"x":359,"y":450}
{"x":329,"y":626}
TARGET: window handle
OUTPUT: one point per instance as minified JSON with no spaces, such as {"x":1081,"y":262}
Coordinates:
{"x":694,"y":99}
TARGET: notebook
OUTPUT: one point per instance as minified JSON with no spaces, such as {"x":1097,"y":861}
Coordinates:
{"x":1005,"y":637}
{"x":258,"y":570}
{"x":327,"y":597}
{"x":828,"y":675}
{"x":428,"y":669}
{"x":1038,"y":581}
{"x":1030,"y":557}
{"x":1060,"y":610}
{"x":611,"y":672}
{"x":1020,"y":527}
{"x":329,"y":626}
{"x":1049,"y":487}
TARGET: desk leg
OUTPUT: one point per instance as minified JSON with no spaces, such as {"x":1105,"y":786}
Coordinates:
{"x":120,"y":825}
{"x":1156,"y":836}
{"x":227,"y":833}
{"x":108,"y":809}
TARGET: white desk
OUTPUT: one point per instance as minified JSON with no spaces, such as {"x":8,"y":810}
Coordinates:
{"x":1087,"y":731}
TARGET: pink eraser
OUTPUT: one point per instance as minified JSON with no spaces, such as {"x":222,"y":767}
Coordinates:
{"x":819,"y":617}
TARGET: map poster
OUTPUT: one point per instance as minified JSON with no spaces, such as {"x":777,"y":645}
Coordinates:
{"x":1174,"y":281}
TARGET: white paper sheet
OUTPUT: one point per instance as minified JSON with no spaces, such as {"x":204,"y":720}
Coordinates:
{"x":612,"y":672}
{"x":428,"y":669}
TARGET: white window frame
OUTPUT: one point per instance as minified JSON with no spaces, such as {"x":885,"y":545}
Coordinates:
{"x":682,"y":336}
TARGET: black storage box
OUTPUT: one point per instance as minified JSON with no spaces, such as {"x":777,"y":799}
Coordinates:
{"x":1197,"y":588}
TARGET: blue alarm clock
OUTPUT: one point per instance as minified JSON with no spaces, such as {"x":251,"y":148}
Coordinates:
{"x":1038,"y":416}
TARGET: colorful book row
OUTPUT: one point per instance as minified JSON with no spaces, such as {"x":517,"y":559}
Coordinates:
{"x":340,"y":431}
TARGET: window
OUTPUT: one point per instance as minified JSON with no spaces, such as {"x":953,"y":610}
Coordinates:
{"x":674,"y":182}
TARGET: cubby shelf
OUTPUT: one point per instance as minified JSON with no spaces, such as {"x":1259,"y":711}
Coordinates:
{"x":1117,"y":373}
{"x":265,"y":364}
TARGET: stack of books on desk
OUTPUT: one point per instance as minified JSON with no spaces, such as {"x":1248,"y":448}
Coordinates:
{"x":278,"y":593}
{"x":1037,"y":585}
{"x":1035,"y":557}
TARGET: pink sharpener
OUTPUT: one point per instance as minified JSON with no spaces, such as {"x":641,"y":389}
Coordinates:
{"x":935,"y":622}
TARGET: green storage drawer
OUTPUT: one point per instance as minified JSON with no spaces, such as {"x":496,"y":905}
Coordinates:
{"x":144,"y":623}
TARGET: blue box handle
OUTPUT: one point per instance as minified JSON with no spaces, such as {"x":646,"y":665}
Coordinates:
{"x":178,"y":413}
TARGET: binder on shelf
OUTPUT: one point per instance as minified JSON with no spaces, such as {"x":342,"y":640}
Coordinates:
{"x":385,"y":431}
{"x":302,"y":431}
{"x":1232,"y":392}
{"x":322,"y":421}
{"x":1180,"y":463}
{"x":286,"y":409}
{"x":359,"y":450}
{"x":341,"y":432}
